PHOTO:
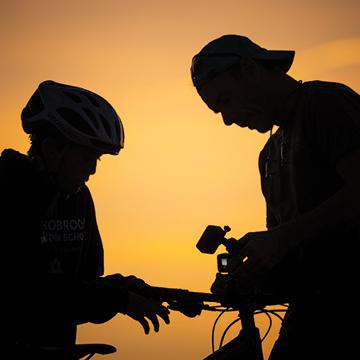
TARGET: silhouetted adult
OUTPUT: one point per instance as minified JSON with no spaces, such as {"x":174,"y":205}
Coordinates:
{"x":51,"y":243}
{"x":310,"y":172}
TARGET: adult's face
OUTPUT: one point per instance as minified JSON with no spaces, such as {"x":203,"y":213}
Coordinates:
{"x":241,"y":96}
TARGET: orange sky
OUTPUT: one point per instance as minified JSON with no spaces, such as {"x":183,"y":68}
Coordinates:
{"x":181,"y":169}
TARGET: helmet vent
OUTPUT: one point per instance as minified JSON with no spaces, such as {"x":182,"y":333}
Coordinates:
{"x":75,"y":120}
{"x":90,"y":98}
{"x":72,"y":96}
{"x":92,"y":117}
{"x":106,"y":126}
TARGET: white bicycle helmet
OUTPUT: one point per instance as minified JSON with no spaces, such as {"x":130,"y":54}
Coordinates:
{"x":80,"y":115}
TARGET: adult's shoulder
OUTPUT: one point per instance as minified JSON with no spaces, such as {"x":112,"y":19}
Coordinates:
{"x":329,"y":93}
{"x":332,"y":123}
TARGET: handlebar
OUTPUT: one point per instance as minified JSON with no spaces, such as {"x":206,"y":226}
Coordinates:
{"x":190,"y":303}
{"x":171,"y":294}
{"x":179,"y":298}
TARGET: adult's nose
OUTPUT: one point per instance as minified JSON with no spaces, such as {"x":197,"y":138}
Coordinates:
{"x":226,"y":119}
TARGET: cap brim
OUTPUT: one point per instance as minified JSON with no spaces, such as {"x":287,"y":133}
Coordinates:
{"x":283,"y":58}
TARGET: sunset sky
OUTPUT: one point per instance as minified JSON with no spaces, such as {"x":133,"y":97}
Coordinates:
{"x":181,"y":168}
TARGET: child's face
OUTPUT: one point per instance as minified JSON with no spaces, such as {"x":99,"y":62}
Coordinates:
{"x":75,"y":167}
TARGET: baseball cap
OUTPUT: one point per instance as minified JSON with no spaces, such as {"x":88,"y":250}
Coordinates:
{"x":222,"y":53}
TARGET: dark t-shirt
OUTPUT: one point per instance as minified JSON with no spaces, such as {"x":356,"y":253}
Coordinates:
{"x":52,"y":258}
{"x":298,"y":173}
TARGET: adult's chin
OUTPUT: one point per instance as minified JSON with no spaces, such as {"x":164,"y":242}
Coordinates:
{"x":263,"y":130}
{"x":263,"y":126}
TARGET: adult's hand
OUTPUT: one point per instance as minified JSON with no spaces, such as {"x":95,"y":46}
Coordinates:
{"x":219,"y":286}
{"x":259,"y":253}
{"x":144,"y":310}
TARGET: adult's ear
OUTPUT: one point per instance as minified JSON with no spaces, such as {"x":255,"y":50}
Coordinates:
{"x":246,"y":69}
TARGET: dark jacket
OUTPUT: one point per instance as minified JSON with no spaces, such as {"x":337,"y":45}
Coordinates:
{"x":52,"y":258}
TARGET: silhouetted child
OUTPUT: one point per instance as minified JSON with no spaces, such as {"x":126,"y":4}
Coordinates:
{"x":51,"y":243}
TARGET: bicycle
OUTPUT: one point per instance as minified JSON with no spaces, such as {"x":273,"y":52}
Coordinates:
{"x":247,"y":345}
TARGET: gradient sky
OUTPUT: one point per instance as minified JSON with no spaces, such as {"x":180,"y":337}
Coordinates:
{"x":181,"y":168}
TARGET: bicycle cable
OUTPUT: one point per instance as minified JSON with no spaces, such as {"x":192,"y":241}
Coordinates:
{"x":226,"y":330}
{"x":213,"y":330}
{"x":269,"y":327}
{"x":267,"y":312}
